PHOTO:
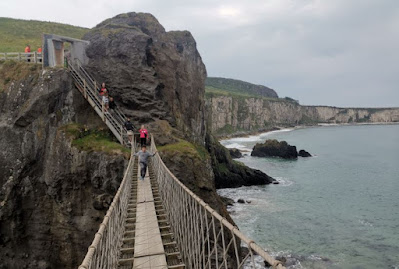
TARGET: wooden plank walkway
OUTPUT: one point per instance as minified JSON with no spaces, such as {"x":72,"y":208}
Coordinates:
{"x":148,"y":248}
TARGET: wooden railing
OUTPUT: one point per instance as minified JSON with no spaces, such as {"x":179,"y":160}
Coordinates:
{"x":29,"y":57}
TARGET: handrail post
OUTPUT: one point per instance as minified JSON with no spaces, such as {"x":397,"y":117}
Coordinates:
{"x":5,"y":56}
{"x":84,"y":89}
{"x":19,"y":56}
{"x":35,"y":57}
{"x":122,"y":134}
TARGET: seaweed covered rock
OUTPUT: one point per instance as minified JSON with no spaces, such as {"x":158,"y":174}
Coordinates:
{"x":274,"y":148}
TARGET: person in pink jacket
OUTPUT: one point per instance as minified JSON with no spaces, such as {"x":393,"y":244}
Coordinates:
{"x":143,"y":135}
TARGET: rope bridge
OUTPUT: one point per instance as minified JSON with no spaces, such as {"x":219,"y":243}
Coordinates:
{"x":158,"y":222}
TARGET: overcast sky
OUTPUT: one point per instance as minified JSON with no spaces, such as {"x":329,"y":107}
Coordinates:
{"x":330,"y":52}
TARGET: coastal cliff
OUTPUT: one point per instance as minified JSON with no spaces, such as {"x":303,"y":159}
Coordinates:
{"x":234,"y":114}
{"x":53,"y":195}
{"x":59,"y":167}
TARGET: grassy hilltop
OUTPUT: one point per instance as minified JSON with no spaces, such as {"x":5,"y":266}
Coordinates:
{"x":15,"y":33}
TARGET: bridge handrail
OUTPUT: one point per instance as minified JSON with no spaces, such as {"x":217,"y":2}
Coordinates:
{"x":196,"y":225}
{"x":96,"y":86}
{"x":104,"y":250}
{"x":33,"y":57}
{"x":90,"y":93}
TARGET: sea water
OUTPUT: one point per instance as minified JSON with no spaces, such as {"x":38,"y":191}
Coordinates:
{"x":338,"y":209}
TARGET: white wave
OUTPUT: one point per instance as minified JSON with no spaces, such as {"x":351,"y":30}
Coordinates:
{"x":235,"y":145}
{"x":284,"y":182}
{"x":253,"y":138}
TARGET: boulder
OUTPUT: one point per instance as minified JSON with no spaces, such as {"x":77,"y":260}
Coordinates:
{"x":235,"y":153}
{"x":304,"y":153}
{"x":274,"y":148}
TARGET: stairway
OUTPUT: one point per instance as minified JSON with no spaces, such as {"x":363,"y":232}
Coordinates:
{"x":89,"y":88}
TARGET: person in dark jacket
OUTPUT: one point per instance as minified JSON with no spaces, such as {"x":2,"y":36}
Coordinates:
{"x":111,"y":103}
{"x":129,"y":127}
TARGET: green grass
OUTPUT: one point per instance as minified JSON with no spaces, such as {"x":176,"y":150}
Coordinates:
{"x":16,"y":34}
{"x":211,"y":92}
{"x":13,"y":71}
{"x":239,"y":87}
{"x":186,"y":148}
{"x":94,"y":140}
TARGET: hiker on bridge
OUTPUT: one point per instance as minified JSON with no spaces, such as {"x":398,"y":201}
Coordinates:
{"x":129,"y":127}
{"x":143,"y":135}
{"x":143,"y":155}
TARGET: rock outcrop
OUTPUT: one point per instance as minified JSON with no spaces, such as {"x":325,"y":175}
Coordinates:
{"x":229,"y":173}
{"x":151,"y":73}
{"x":53,"y":196}
{"x":235,"y":153}
{"x":304,"y":153}
{"x":228,"y":115}
{"x":274,"y":148}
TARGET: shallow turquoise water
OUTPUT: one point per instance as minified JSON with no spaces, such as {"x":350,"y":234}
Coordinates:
{"x":341,"y":206}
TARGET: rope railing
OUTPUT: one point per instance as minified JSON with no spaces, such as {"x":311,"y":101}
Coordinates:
{"x":205,"y":238}
{"x":31,"y":57}
{"x":103,"y":253}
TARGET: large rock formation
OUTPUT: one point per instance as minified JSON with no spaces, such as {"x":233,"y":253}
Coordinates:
{"x":153,"y":74}
{"x":49,"y":189}
{"x":228,"y":114}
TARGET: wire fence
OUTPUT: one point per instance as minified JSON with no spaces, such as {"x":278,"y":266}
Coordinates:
{"x":104,"y":251}
{"x":205,"y":238}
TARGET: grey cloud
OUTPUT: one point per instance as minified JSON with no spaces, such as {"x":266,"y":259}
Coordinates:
{"x":337,"y":52}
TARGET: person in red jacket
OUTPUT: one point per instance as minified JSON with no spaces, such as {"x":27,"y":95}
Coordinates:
{"x":143,"y":135}
{"x":27,"y":50}
{"x":103,"y":90}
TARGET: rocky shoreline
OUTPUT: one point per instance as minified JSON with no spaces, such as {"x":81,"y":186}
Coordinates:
{"x":294,"y":127}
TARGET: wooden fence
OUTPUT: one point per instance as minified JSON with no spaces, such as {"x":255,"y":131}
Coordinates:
{"x":30,"y":57}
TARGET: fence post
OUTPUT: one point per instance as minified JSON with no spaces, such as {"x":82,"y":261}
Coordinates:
{"x":5,"y":56}
{"x":19,"y":56}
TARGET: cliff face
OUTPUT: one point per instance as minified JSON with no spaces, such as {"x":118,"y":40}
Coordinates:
{"x":49,"y":189}
{"x":153,"y":74}
{"x":227,"y":114}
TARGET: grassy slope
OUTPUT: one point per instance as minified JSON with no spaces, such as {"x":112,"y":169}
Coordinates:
{"x":15,"y":34}
{"x":94,"y":140}
{"x":13,"y":71}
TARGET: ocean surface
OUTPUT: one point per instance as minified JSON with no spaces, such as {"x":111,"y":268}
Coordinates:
{"x":338,"y":209}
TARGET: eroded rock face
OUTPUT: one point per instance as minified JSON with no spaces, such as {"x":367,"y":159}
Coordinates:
{"x":153,"y":74}
{"x":49,"y":190}
{"x":274,"y":148}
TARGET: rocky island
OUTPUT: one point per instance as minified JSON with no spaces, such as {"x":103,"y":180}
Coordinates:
{"x":274,"y":148}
